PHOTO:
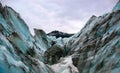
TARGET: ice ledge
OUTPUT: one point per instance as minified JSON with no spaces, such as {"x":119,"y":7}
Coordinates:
{"x":117,"y":6}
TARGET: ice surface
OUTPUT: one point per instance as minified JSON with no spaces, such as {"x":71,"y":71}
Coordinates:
{"x":65,"y":66}
{"x":117,"y":7}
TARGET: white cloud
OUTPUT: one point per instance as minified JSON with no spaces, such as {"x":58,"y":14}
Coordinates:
{"x":65,"y":15}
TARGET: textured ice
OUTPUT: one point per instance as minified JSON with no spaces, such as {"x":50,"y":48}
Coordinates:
{"x":65,"y":66}
{"x":41,"y":40}
{"x":117,"y":7}
{"x":18,"y":52}
{"x":7,"y":58}
{"x":97,"y":46}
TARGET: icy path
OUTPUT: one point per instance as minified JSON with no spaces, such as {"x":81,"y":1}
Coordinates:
{"x":64,"y":66}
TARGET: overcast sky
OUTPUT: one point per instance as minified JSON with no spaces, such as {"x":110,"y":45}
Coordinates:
{"x":64,"y":15}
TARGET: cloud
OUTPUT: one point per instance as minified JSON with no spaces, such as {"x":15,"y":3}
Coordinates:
{"x":64,"y":15}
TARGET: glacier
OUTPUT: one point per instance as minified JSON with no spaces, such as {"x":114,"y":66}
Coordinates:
{"x":19,"y":52}
{"x":94,"y":49}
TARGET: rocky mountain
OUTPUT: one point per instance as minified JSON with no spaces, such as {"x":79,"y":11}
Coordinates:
{"x":59,"y":34}
{"x":95,"y":49}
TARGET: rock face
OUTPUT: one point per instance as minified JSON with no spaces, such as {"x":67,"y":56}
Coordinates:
{"x":95,"y":49}
{"x":53,"y":54}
